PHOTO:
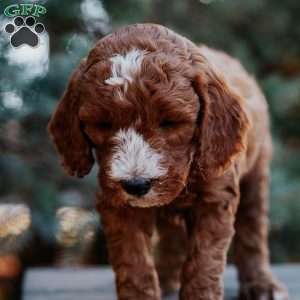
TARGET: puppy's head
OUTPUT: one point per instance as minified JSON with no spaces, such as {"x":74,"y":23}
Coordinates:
{"x":151,"y":107}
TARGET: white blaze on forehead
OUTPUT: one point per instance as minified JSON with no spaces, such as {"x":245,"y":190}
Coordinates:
{"x":125,"y":67}
{"x":134,"y":157}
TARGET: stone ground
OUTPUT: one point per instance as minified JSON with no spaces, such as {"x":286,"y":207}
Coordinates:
{"x":97,"y":283}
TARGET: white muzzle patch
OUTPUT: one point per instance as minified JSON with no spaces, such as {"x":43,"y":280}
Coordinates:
{"x":134,"y":157}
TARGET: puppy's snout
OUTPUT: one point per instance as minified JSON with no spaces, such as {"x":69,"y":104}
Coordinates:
{"x":136,"y":186}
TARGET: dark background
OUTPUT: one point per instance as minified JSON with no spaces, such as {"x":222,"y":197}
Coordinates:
{"x":64,"y":229}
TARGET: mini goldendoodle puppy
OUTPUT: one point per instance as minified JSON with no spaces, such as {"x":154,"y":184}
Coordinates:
{"x":181,"y":134}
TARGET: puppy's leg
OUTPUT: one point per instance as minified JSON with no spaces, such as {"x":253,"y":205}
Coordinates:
{"x":172,"y":248}
{"x":251,"y":240}
{"x":128,"y":232}
{"x":212,"y":231}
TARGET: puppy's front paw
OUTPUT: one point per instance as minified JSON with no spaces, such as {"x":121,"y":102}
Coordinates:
{"x":260,"y":291}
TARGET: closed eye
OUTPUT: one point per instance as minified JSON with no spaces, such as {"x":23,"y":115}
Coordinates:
{"x":168,"y":124}
{"x":106,"y":125}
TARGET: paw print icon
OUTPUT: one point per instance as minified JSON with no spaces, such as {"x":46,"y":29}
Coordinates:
{"x":24,"y":31}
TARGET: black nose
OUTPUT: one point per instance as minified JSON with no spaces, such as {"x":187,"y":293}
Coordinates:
{"x":136,"y":186}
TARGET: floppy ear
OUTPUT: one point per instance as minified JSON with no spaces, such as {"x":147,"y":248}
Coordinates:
{"x":223,"y":124}
{"x":64,"y":128}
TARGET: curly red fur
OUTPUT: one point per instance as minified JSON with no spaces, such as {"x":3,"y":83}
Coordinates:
{"x":197,"y":125}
